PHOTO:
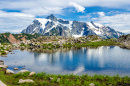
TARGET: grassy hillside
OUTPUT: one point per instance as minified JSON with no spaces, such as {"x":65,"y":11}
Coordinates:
{"x":4,"y":39}
{"x":4,"y":36}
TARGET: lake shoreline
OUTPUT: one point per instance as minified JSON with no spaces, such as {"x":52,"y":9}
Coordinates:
{"x":55,"y":79}
{"x":52,"y":79}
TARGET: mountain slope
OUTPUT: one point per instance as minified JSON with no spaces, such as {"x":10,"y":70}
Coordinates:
{"x":52,"y":26}
{"x":14,"y":38}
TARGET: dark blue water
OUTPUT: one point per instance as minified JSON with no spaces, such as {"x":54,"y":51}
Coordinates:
{"x":110,"y":60}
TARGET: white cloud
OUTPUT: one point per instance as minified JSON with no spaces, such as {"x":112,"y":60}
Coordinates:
{"x":28,"y":4}
{"x":14,"y":14}
{"x":86,"y":16}
{"x":120,"y":22}
{"x":78,"y":7}
{"x":43,"y":11}
{"x":14,"y":22}
{"x":101,"y":14}
{"x":32,"y":8}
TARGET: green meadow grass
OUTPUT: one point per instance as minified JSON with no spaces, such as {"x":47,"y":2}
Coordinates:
{"x":42,"y":79}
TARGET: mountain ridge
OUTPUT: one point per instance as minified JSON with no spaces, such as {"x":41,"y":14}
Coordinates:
{"x":52,"y":26}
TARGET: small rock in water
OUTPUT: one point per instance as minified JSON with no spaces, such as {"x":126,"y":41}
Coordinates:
{"x":22,"y":71}
{"x":91,"y":84}
{"x":16,"y":68}
{"x":1,"y":62}
{"x":3,"y":66}
{"x":2,"y":84}
{"x":58,"y":79}
{"x":25,"y":81}
{"x":32,"y":73}
{"x":8,"y":71}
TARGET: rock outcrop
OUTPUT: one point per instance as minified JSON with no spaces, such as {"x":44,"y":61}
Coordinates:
{"x":12,"y":39}
{"x":8,"y":71}
{"x":125,"y":41}
{"x":32,"y":73}
{"x":1,"y":62}
{"x":23,"y":39}
{"x":26,"y":81}
{"x":52,"y":26}
{"x":22,"y":71}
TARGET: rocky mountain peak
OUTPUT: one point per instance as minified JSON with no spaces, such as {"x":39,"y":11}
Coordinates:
{"x":92,"y":22}
{"x":52,"y":17}
{"x":60,"y":27}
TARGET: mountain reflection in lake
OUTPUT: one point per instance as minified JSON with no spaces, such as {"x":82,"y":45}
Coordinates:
{"x":110,"y":60}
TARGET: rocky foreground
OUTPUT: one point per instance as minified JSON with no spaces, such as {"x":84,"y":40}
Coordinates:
{"x":124,"y":41}
{"x":26,"y":78}
{"x":43,"y":43}
{"x":54,"y":42}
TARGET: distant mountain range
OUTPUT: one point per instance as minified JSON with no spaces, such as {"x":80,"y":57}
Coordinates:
{"x":52,"y":26}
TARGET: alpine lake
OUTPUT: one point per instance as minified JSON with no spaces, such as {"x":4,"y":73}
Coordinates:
{"x":104,"y":60}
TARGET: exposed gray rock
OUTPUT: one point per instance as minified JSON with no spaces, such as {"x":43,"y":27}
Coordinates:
{"x":60,"y":27}
{"x":63,"y":21}
{"x":52,"y":17}
{"x":125,"y":41}
{"x":31,"y":27}
{"x":1,"y":62}
{"x":25,"y":81}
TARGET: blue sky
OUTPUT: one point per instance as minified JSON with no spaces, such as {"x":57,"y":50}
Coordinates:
{"x":16,"y":15}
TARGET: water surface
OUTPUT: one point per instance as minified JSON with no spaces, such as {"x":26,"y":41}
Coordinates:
{"x":110,"y":60}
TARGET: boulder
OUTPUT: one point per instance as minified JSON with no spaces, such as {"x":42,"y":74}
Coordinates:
{"x":26,"y":81}
{"x":32,"y":73}
{"x":3,"y":66}
{"x":91,"y":84}
{"x":8,"y":71}
{"x":6,"y":52}
{"x":22,"y":71}
{"x":58,"y":79}
{"x":10,"y":50}
{"x":50,"y":78}
{"x":1,"y":62}
{"x":2,"y":84}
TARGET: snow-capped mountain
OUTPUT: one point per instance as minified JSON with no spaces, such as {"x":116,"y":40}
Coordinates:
{"x":53,"y":26}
